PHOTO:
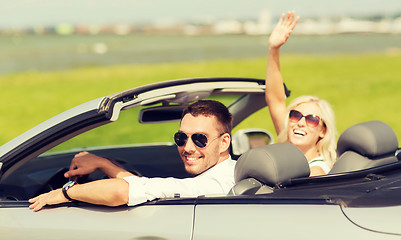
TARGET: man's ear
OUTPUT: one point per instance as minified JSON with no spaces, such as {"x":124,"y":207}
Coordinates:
{"x":225,"y":142}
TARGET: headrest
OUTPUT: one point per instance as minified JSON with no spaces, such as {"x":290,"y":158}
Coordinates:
{"x":370,"y":139}
{"x":351,"y":161}
{"x":272,"y":164}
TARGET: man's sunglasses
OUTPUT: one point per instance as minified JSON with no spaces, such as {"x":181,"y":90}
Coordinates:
{"x":311,"y":119}
{"x":199,"y":139}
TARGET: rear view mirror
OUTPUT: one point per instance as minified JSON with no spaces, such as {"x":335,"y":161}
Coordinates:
{"x":246,"y":139}
{"x":161,"y":114}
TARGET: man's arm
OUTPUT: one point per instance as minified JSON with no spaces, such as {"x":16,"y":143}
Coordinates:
{"x":84,"y":163}
{"x":109,"y":192}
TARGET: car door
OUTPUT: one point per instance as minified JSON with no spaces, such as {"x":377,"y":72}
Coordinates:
{"x":147,"y":221}
{"x":257,"y":218}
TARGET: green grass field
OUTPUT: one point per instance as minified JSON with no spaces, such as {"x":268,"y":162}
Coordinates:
{"x":359,"y":87}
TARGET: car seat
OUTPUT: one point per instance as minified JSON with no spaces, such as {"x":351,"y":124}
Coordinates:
{"x":365,"y":145}
{"x":262,"y":168}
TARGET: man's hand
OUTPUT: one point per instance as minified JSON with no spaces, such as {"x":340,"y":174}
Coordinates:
{"x":50,"y":198}
{"x":84,"y":163}
{"x":283,"y":29}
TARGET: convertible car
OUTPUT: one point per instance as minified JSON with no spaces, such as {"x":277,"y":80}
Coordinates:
{"x":273,"y":198}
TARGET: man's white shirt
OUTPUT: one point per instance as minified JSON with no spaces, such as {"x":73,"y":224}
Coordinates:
{"x":217,"y":180}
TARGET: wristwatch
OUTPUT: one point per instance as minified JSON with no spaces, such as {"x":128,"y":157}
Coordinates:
{"x":67,"y":186}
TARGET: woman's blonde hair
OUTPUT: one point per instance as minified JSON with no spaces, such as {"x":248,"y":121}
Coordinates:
{"x":326,"y":146}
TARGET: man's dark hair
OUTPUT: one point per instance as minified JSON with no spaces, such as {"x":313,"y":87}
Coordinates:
{"x":211,"y":108}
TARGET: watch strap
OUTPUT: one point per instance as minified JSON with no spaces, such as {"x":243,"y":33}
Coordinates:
{"x":65,"y":194}
{"x":67,"y":186}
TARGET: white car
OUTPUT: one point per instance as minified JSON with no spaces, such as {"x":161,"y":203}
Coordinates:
{"x":274,"y":197}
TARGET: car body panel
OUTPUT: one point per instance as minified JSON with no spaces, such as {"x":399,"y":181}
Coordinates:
{"x":380,"y":219}
{"x":97,"y":222}
{"x":277,"y":221}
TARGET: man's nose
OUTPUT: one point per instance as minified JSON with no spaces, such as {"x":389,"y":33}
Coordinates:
{"x":189,"y":146}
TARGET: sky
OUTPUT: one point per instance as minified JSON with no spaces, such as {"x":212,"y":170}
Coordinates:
{"x":17,"y":13}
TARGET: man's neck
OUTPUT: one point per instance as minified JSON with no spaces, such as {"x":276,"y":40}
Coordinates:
{"x":224,"y":156}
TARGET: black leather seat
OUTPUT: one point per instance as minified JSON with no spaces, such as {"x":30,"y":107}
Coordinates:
{"x":365,"y":145}
{"x":260,"y":169}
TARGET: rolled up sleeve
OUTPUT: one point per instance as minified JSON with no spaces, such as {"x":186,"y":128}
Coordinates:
{"x":136,"y":191}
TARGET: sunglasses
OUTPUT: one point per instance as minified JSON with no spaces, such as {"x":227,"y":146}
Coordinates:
{"x":199,"y":139}
{"x":311,"y":119}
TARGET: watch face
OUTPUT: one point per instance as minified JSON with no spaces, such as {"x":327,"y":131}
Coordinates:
{"x":69,"y":184}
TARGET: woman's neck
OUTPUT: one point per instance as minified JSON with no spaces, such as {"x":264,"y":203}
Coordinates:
{"x":310,"y":153}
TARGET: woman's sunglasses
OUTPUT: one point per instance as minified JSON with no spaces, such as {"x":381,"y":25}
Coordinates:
{"x":199,"y":139}
{"x":311,"y":119}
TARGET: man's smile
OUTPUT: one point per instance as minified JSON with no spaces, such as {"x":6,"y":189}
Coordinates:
{"x":191,"y":159}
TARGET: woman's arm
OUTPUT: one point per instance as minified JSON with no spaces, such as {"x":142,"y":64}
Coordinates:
{"x":275,"y":95}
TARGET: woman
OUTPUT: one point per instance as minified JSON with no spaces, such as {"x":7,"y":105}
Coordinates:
{"x":308,"y":122}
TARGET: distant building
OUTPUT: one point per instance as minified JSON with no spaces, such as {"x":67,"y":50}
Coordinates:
{"x":65,"y":29}
{"x":315,"y":27}
{"x":396,"y":26}
{"x":227,"y":27}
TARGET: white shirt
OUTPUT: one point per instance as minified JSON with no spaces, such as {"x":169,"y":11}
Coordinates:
{"x":319,"y":161}
{"x":217,"y":180}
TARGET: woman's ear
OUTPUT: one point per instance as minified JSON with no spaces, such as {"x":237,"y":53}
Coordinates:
{"x":323,"y":132}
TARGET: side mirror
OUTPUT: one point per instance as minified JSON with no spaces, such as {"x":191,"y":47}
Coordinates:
{"x":246,"y":139}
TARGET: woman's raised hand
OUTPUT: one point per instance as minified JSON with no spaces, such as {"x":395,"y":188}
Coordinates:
{"x":283,"y":29}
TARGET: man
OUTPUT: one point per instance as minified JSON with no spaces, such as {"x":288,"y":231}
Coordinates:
{"x":203,"y":143}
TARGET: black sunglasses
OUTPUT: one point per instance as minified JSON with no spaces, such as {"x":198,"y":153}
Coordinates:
{"x":199,"y":139}
{"x":311,"y":119}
